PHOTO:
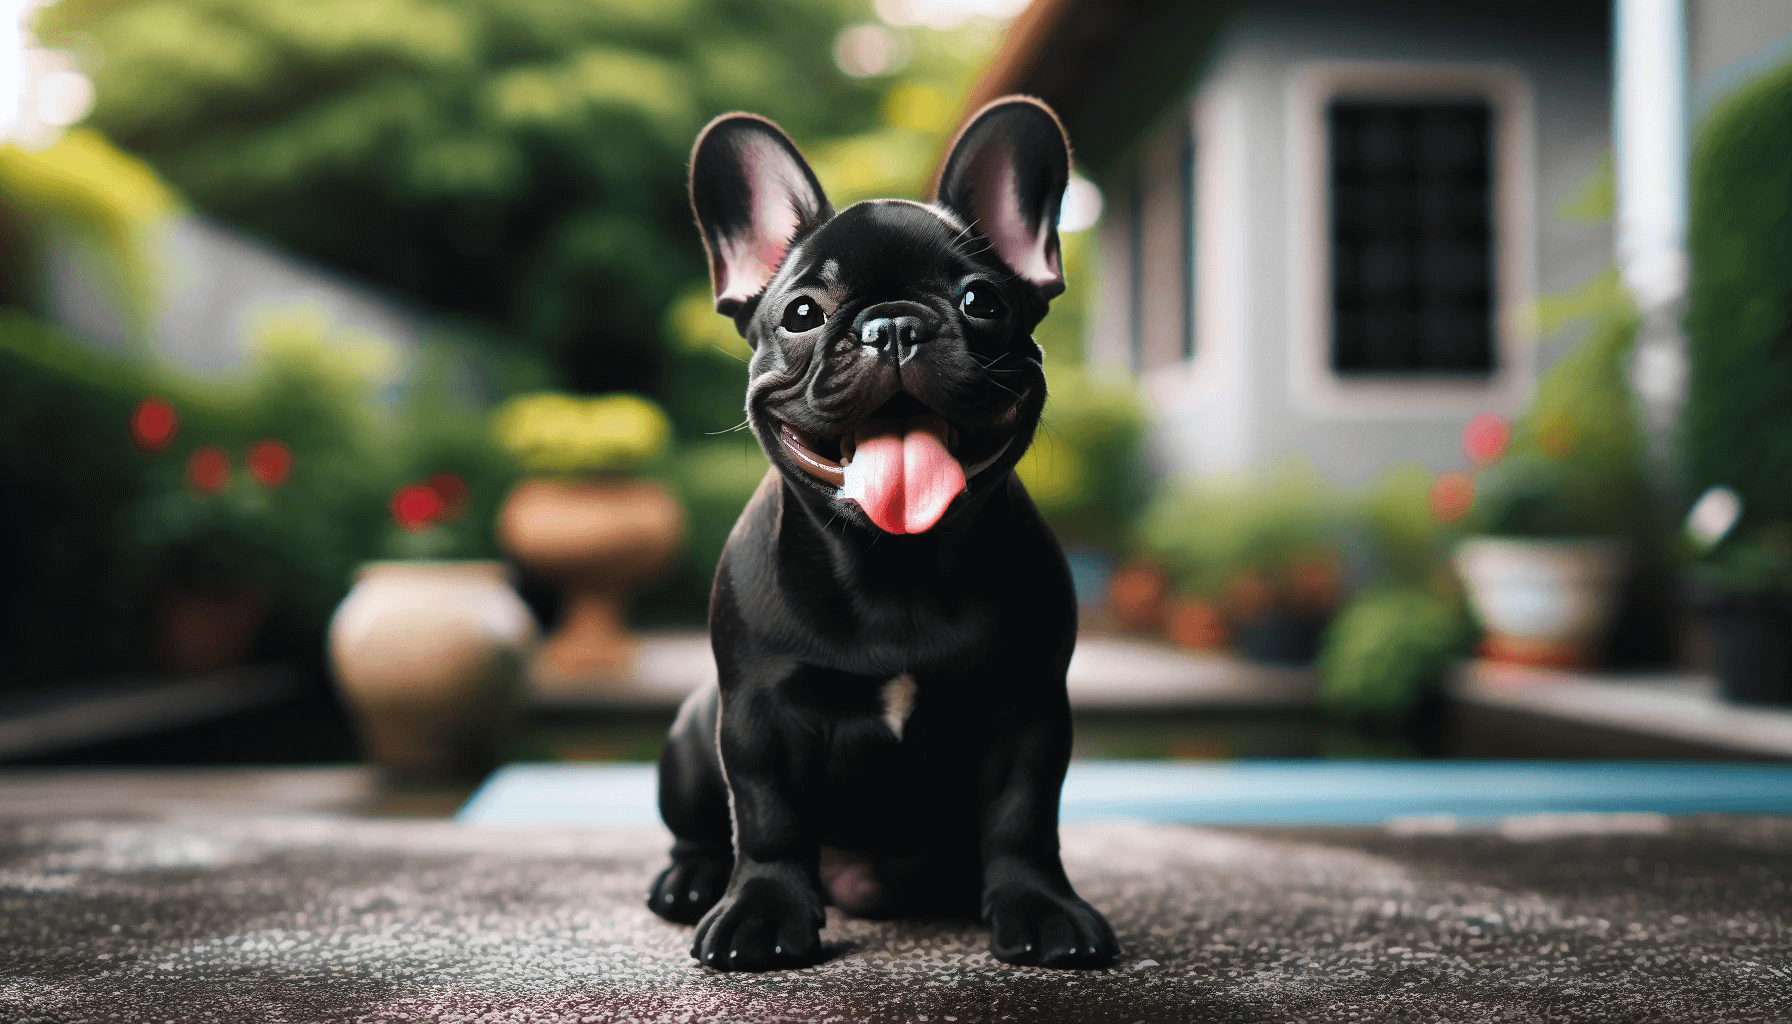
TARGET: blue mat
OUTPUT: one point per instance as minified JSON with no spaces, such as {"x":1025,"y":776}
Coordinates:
{"x":1237,"y":792}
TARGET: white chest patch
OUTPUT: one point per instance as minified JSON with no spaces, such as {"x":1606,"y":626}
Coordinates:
{"x":899,"y":701}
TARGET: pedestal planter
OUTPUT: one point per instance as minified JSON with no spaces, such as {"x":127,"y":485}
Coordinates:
{"x":429,"y":656}
{"x":1542,"y":602}
{"x":602,"y":540}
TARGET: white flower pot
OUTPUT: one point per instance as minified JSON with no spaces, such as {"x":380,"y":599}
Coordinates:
{"x":429,"y":656}
{"x":1543,"y":602}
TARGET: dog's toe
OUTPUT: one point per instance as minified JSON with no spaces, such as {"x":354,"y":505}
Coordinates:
{"x":759,"y":932}
{"x":1039,"y":929}
{"x":688,"y":887}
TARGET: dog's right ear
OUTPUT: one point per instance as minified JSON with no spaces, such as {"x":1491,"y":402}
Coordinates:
{"x":753,"y":195}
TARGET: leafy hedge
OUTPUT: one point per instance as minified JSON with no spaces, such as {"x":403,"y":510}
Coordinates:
{"x":1738,"y":418}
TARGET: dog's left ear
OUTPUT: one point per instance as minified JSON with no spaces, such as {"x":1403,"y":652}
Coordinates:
{"x":754,"y":195}
{"x":1006,"y":175}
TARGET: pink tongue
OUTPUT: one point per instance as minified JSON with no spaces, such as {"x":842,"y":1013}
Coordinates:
{"x":902,"y":475}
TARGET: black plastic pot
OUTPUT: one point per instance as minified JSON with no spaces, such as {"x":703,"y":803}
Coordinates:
{"x":1752,"y":638}
{"x":1282,"y":636}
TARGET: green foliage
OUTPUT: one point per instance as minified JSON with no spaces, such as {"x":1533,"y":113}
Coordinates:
{"x":1738,"y":415}
{"x":518,"y":162}
{"x":1532,"y":495}
{"x":109,"y":527}
{"x":1759,"y":568}
{"x":1406,"y":537}
{"x":1389,"y":645}
{"x":713,"y":479}
{"x":1265,"y":524}
{"x":1086,"y":469}
{"x":1577,"y":466}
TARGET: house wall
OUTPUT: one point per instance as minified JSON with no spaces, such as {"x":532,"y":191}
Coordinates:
{"x":215,"y":287}
{"x":1732,"y":41}
{"x":1240,"y":402}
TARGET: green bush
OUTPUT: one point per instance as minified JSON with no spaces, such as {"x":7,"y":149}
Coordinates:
{"x":1086,"y":469}
{"x":1266,"y":525}
{"x":1738,"y":415}
{"x":1406,"y":541}
{"x":1389,"y":645}
{"x":713,"y":480}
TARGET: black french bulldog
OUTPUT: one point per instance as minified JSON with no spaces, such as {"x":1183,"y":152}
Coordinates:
{"x":891,"y":618}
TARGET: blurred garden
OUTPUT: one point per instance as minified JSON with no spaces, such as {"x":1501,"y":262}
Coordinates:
{"x":515,"y":172}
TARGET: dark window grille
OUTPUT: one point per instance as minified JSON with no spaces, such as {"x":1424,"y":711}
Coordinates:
{"x":1188,"y":245}
{"x":1412,"y":257}
{"x":1135,"y":292}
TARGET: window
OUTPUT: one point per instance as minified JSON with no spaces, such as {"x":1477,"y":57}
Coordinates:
{"x":1411,"y":237}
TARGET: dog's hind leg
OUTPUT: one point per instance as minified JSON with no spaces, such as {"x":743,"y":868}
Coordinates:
{"x":694,"y":805}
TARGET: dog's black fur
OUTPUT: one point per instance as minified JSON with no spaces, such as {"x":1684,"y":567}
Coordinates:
{"x":800,"y":781}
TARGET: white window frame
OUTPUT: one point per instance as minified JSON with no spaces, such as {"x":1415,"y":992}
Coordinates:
{"x":1314,"y":386}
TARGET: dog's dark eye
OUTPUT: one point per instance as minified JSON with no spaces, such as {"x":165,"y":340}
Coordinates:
{"x":803,"y":315}
{"x":982,"y":302}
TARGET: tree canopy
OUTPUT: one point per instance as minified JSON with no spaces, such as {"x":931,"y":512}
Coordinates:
{"x":518,"y":163}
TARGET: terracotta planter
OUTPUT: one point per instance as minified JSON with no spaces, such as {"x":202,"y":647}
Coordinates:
{"x":429,"y":656}
{"x":1542,"y":602}
{"x":602,"y":540}
{"x":207,"y":629}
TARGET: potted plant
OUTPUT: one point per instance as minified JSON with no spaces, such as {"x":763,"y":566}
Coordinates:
{"x":586,"y":516}
{"x":430,"y":645}
{"x":1252,"y":563}
{"x":1746,"y":591}
{"x":1560,"y":498}
{"x":215,"y":530}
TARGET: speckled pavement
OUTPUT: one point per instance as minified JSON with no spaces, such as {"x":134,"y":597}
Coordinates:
{"x":299,"y":920}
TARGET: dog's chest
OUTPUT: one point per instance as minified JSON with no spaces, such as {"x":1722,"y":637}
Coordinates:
{"x":896,"y":702}
{"x":888,"y":634}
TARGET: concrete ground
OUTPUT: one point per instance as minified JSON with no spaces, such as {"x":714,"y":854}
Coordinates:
{"x":299,"y":919}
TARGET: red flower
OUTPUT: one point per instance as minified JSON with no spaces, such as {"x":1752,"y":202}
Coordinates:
{"x":153,"y":424}
{"x":1452,"y":495}
{"x":270,"y":462}
{"x":415,"y":507}
{"x":1485,"y":438}
{"x":208,"y":469}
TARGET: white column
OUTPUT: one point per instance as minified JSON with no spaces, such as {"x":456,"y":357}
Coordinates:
{"x":1650,"y":142}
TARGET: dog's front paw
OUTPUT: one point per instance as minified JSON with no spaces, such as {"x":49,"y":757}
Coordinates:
{"x":761,"y":927}
{"x":1037,"y":929}
{"x":686,"y":890}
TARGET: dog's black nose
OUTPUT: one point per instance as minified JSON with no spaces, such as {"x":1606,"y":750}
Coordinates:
{"x":902,"y":332}
{"x":895,"y":328}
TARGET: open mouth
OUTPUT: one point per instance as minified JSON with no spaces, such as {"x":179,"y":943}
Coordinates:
{"x":903,"y":464}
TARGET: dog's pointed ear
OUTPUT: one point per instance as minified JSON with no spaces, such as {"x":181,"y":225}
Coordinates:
{"x":753,"y":195}
{"x":1006,"y":175}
